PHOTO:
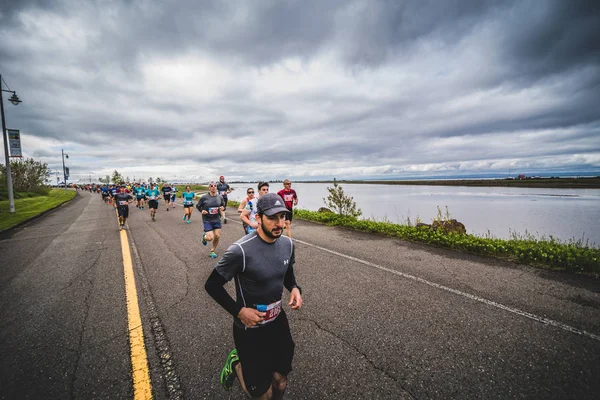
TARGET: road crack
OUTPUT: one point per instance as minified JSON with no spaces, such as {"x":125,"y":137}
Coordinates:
{"x":363,"y":355}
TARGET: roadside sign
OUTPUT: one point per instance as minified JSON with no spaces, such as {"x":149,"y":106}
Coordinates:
{"x":14,"y":142}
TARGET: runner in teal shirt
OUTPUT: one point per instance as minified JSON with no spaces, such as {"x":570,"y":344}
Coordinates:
{"x":188,"y":204}
{"x":153,"y":196}
{"x":138,"y":191}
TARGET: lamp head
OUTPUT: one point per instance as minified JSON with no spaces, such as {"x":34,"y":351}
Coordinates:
{"x":14,"y":99}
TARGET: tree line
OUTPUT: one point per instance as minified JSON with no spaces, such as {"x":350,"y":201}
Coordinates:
{"x":28,"y":175}
{"x":118,"y":179}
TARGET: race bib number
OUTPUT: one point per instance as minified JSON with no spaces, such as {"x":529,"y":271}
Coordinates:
{"x":152,"y":197}
{"x":222,"y":192}
{"x":187,"y":203}
{"x":213,"y":210}
{"x":122,"y":203}
{"x":288,"y":197}
{"x":271,"y":311}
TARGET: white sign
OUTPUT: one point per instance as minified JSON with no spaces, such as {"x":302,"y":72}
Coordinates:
{"x":14,"y":142}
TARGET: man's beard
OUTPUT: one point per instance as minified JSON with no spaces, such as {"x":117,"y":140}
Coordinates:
{"x":271,"y":234}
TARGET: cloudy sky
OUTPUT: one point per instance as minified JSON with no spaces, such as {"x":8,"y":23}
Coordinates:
{"x":264,"y":89}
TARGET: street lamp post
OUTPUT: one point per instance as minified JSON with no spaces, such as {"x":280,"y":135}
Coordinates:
{"x":15,"y":100}
{"x":64,"y":170}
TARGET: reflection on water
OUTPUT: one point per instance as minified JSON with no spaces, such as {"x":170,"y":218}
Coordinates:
{"x":561,"y":213}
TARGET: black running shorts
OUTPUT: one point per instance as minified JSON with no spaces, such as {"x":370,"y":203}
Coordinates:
{"x":289,"y":215}
{"x":263,"y":351}
{"x":153,"y":204}
{"x":123,"y":211}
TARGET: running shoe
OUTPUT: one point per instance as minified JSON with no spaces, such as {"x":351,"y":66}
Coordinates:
{"x":189,"y":221}
{"x":224,"y":220}
{"x":153,"y":219}
{"x":212,"y":254}
{"x":227,"y":373}
{"x":204,"y":242}
{"x":184,"y":217}
{"x":167,"y":208}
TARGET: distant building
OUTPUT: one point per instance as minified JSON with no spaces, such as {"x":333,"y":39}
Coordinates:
{"x":522,"y":176}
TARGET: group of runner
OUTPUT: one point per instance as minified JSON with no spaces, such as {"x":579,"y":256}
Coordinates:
{"x":261,"y":263}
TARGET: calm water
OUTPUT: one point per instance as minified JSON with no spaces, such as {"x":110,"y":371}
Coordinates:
{"x":564,"y":214}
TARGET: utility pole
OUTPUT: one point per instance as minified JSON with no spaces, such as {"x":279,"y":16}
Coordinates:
{"x":64,"y":170}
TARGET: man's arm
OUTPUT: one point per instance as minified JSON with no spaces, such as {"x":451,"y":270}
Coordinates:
{"x":242,"y":205}
{"x":214,"y":286}
{"x":245,"y":217}
{"x":289,"y":281}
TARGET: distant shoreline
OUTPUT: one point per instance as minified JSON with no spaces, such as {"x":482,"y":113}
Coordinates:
{"x":552,"y":183}
{"x":547,"y":183}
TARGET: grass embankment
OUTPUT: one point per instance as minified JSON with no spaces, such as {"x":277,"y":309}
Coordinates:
{"x":546,"y":253}
{"x":28,"y":205}
{"x":194,"y":188}
{"x":549,"y":253}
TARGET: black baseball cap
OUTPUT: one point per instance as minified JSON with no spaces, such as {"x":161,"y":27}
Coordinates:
{"x":270,"y":204}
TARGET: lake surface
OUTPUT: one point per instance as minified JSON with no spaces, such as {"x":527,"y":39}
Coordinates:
{"x":562,"y":213}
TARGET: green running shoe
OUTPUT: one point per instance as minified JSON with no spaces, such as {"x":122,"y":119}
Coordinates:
{"x":227,"y":373}
{"x":204,"y":239}
{"x":212,"y":254}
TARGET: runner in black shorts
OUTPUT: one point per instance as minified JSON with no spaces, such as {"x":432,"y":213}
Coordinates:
{"x":261,"y":263}
{"x":223,"y":189}
{"x":121,"y":202}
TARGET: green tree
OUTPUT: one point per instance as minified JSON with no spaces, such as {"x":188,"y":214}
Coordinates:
{"x":341,"y":203}
{"x":28,"y":175}
{"x":150,"y":181}
{"x":117,"y":178}
{"x":105,"y":180}
{"x":159,"y":180}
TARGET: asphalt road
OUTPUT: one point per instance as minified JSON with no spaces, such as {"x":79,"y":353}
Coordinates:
{"x":382,"y":318}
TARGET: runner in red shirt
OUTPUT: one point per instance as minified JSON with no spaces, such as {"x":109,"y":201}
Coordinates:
{"x":290,"y":198}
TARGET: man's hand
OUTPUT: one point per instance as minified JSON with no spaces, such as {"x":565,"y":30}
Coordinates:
{"x":251,"y":317}
{"x":204,"y":212}
{"x":295,"y":299}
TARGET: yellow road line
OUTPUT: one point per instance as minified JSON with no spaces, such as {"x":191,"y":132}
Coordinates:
{"x":142,"y":387}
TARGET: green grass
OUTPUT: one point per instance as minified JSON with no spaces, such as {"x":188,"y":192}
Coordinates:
{"x":551,"y":253}
{"x":545,"y":252}
{"x":30,"y":205}
{"x":195,"y":188}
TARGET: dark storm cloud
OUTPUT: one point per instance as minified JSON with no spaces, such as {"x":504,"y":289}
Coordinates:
{"x":545,"y":38}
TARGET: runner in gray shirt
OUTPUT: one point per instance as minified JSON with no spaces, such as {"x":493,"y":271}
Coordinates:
{"x":262,"y":264}
{"x":211,"y":207}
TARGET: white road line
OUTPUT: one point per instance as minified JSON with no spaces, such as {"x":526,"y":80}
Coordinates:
{"x":534,"y":317}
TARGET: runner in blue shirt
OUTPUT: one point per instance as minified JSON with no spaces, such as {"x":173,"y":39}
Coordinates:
{"x":105,"y":193}
{"x":173,"y":196}
{"x":211,"y":205}
{"x":153,"y":196}
{"x":188,"y":204}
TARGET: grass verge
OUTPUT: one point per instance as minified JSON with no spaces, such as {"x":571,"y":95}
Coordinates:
{"x":549,"y":253}
{"x":195,"y":188}
{"x":29,"y":207}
